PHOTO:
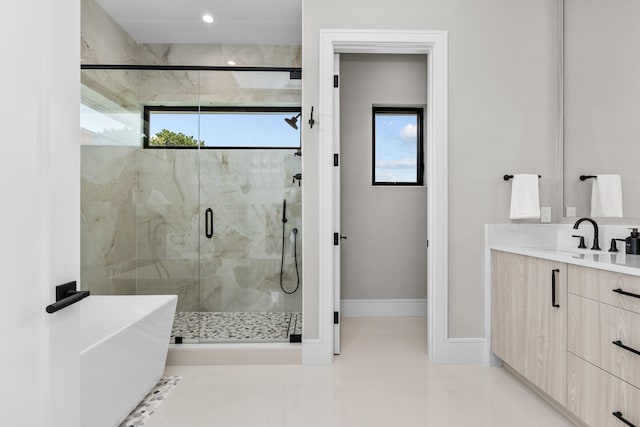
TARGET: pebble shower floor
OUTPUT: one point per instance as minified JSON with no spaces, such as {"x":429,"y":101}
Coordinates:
{"x":225,"y":327}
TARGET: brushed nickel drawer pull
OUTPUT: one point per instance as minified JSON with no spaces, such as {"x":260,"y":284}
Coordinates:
{"x":619,"y":344}
{"x":620,"y":291}
{"x":619,"y":416}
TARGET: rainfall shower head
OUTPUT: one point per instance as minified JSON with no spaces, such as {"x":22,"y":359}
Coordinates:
{"x":293,"y":121}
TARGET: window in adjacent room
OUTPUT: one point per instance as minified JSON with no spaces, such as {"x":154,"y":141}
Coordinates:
{"x":397,"y":146}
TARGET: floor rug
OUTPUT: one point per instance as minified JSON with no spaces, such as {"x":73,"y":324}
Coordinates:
{"x":145,"y":409}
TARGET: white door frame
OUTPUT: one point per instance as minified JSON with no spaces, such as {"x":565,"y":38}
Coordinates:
{"x":440,"y":348}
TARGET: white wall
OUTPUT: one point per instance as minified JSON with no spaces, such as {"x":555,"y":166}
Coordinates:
{"x":384,"y":256}
{"x":39,"y":181}
{"x":502,"y":119}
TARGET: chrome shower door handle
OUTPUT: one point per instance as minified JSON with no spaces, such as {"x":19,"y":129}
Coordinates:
{"x":208,"y":223}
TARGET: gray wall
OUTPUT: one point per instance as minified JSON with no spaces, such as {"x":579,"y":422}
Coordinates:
{"x":502,"y":119}
{"x":602,"y":99}
{"x":384,"y":255}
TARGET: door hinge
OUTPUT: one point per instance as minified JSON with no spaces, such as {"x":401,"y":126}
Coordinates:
{"x":336,"y":159}
{"x":336,"y":318}
{"x":336,"y":80}
{"x":336,"y":239}
{"x":427,"y":243}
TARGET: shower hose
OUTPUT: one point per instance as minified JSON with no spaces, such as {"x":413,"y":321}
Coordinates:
{"x":295,"y":256}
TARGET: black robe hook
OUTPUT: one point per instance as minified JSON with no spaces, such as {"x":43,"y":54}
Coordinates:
{"x":311,"y":121}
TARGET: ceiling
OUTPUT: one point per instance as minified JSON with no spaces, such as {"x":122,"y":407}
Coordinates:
{"x":236,"y":21}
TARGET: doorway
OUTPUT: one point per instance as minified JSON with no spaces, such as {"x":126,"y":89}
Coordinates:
{"x":383,"y":199}
{"x":440,"y":348}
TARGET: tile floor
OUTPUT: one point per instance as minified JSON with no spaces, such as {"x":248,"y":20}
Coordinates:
{"x":382,"y":378}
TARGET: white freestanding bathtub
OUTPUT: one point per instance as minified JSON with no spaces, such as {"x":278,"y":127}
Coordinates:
{"x":123,"y":349}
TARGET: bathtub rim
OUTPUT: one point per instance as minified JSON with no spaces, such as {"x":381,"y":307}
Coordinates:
{"x":165,"y":300}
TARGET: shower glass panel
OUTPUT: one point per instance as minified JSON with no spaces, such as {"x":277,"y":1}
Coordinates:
{"x":139,"y":207}
{"x":167,"y":205}
{"x":191,"y":186}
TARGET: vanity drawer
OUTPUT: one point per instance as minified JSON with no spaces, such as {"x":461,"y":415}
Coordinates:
{"x":622,"y":327}
{"x":583,"y":328}
{"x":592,"y":328}
{"x":594,"y":395}
{"x":620,"y":290}
{"x":617,"y":289}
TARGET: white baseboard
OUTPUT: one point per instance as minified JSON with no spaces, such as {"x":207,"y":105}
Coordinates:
{"x":383,"y":307}
{"x":462,"y":351}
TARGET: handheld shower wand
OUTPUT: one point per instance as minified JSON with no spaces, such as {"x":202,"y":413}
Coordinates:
{"x":284,"y":211}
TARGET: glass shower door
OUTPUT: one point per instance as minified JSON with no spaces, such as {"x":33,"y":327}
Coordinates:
{"x":247,"y":163}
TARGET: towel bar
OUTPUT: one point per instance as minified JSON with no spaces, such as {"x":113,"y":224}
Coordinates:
{"x":508,"y":177}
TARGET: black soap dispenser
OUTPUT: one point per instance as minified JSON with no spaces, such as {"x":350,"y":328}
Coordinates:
{"x":633,"y":242}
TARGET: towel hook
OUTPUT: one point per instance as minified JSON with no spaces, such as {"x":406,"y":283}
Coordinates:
{"x":586,"y":177}
{"x":508,"y":177}
{"x":311,"y":121}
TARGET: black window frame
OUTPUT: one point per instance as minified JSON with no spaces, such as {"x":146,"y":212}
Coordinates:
{"x":148,"y":109}
{"x":419,"y":113}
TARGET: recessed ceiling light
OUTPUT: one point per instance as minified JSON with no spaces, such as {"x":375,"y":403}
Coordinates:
{"x":231,"y":62}
{"x":207,"y":18}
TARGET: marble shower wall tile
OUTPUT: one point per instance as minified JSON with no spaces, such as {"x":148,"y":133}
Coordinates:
{"x":111,"y":88}
{"x":264,"y":55}
{"x":218,"y":55}
{"x":168,"y":87}
{"x":167,"y":204}
{"x":167,"y":232}
{"x":108,"y":219}
{"x":216,"y":88}
{"x":103,"y":41}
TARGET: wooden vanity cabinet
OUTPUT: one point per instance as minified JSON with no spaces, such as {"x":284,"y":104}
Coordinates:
{"x":583,"y":349}
{"x":529,"y":315}
{"x":604,"y":347}
{"x":598,"y":398}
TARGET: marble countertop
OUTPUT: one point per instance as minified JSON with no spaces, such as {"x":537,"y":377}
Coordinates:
{"x":603,"y":260}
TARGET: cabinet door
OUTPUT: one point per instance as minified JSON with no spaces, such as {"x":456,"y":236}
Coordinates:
{"x":529,"y":319}
{"x":546,"y":326}
{"x":508,"y":308}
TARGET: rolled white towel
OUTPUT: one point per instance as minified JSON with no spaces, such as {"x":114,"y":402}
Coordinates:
{"x":525,"y":198}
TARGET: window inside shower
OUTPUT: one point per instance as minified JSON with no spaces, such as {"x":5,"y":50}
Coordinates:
{"x":220,"y":127}
{"x":214,"y":223}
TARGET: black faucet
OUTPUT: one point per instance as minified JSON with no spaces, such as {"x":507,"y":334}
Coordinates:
{"x":596,"y":244}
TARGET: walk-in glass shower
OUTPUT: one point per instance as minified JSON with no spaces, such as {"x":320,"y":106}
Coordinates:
{"x":191,"y":185}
